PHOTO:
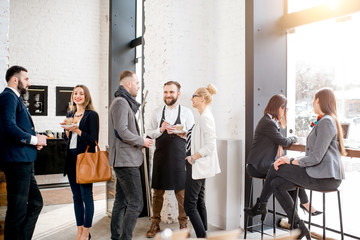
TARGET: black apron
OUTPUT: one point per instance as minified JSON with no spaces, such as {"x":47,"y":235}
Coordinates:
{"x":169,"y":160}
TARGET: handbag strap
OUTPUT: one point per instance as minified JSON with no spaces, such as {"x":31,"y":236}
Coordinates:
{"x":97,"y":146}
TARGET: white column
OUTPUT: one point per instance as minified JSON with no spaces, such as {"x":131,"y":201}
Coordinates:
{"x":4,"y":44}
{"x":224,"y":192}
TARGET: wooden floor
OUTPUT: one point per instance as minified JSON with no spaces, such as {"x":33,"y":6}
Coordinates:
{"x":53,"y":196}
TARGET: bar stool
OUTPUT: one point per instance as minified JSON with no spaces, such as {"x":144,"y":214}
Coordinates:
{"x":324,"y":212}
{"x":246,"y":227}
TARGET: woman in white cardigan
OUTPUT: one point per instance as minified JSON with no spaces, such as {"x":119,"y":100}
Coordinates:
{"x":201,"y":161}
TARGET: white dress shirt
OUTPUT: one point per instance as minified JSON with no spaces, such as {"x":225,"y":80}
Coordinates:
{"x":74,"y":136}
{"x":186,"y":118}
{"x":33,"y":139}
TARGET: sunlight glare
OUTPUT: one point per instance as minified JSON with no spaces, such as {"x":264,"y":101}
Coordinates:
{"x":333,"y":4}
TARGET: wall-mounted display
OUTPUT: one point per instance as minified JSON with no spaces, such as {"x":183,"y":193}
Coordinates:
{"x":63,"y":95}
{"x":35,"y":100}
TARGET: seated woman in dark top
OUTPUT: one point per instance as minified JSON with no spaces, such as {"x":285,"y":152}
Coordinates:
{"x":320,"y":169}
{"x":268,"y":141}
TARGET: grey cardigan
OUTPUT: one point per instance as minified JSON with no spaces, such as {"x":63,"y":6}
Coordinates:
{"x":322,"y":155}
{"x":125,"y":142}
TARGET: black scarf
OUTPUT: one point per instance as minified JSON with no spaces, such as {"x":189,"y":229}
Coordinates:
{"x":122,"y":92}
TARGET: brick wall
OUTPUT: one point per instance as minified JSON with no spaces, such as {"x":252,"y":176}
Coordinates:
{"x":62,"y":43}
{"x":4,"y":44}
{"x":196,"y":43}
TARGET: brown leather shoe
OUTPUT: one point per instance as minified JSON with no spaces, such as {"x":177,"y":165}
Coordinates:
{"x":154,"y":229}
{"x":182,"y":226}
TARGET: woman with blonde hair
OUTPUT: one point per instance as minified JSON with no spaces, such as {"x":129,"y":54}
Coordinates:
{"x":201,"y":161}
{"x":82,"y":133}
{"x":320,"y":169}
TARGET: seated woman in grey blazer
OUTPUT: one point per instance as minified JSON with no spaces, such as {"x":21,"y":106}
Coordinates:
{"x":268,"y":142}
{"x":320,"y":169}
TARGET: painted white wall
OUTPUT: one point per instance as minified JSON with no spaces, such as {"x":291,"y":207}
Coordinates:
{"x":197,"y":43}
{"x":4,"y":44}
{"x":62,"y":43}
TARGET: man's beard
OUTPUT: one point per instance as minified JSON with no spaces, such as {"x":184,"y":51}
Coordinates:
{"x":21,"y":88}
{"x":172,"y":102}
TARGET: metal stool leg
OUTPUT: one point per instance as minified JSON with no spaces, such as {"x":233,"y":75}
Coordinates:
{"x":324,"y":217}
{"x":250,"y":204}
{"x":294,"y":210}
{"x":274,"y":216}
{"x":340,"y":215}
{"x":262,"y":220}
{"x":310,"y":207}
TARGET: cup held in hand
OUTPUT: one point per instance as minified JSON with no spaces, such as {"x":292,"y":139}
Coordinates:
{"x":179,"y":127}
{"x":69,"y":121}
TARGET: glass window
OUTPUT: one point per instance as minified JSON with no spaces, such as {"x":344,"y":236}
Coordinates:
{"x":327,"y":54}
{"x":139,"y":49}
{"x":298,"y":5}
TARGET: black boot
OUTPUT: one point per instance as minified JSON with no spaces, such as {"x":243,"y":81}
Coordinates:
{"x":258,"y":208}
{"x":304,"y":231}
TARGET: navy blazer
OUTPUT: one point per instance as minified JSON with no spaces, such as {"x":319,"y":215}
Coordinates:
{"x":16,"y":129}
{"x":265,"y":144}
{"x":89,"y":126}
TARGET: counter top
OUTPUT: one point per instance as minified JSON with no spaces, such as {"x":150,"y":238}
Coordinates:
{"x":301,"y":148}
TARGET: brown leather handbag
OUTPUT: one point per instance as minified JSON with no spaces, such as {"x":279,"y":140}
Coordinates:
{"x":92,"y":167}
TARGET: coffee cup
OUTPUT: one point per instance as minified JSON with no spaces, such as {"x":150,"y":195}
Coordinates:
{"x":179,"y":127}
{"x":69,"y":121}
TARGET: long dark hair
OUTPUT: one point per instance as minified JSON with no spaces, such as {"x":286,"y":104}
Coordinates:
{"x":327,"y":102}
{"x":273,"y":106}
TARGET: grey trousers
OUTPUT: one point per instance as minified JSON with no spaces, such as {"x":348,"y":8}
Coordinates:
{"x":288,"y":177}
{"x":128,"y":202}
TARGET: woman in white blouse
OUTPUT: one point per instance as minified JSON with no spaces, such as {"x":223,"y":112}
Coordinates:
{"x":201,"y":161}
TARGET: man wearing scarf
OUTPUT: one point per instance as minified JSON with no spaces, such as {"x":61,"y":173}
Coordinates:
{"x":125,"y":155}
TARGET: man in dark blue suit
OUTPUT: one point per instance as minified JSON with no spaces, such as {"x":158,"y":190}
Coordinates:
{"x":18,"y":150}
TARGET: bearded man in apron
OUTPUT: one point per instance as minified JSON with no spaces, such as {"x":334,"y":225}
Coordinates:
{"x":169,"y":157}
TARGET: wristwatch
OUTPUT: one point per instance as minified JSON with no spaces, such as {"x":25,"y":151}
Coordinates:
{"x":291,"y":160}
{"x":192,"y":160}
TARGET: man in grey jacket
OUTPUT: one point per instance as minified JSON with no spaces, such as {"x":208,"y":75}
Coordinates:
{"x":125,"y":155}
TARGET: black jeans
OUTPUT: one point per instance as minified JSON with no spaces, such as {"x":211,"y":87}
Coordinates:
{"x":128,"y":202}
{"x":194,"y":202}
{"x":288,"y":177}
{"x":253,"y":172}
{"x":82,"y":195}
{"x":24,"y":200}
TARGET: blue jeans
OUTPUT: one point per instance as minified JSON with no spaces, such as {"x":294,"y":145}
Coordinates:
{"x":24,"y":200}
{"x":194,"y":202}
{"x":128,"y":202}
{"x":82,"y":195}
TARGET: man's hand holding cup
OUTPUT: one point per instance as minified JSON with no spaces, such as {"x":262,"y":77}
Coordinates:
{"x":170,"y":129}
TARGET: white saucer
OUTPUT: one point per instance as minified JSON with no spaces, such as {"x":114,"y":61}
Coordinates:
{"x":67,"y":125}
{"x":178,"y":131}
